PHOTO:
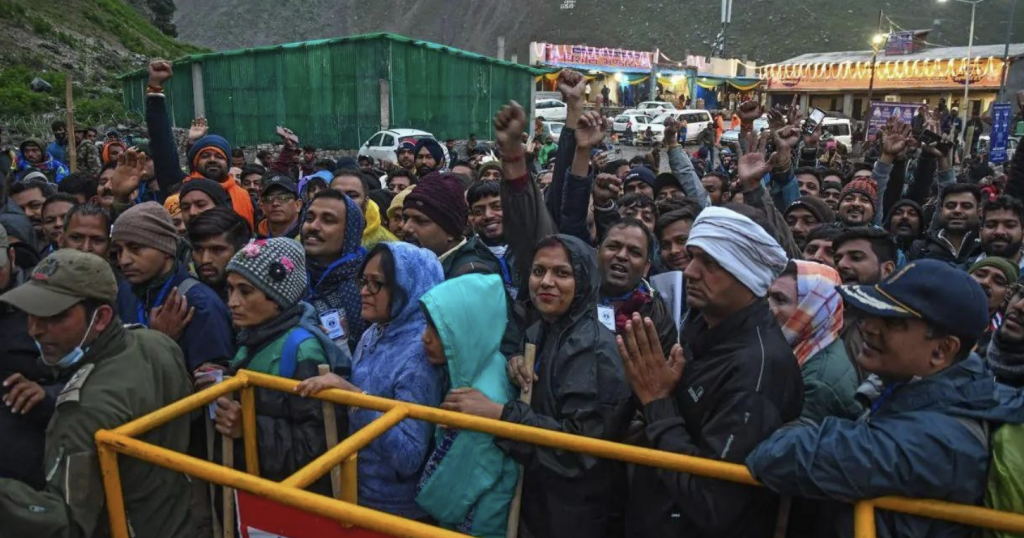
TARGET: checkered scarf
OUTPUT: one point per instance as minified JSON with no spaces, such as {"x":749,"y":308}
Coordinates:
{"x":819,"y":314}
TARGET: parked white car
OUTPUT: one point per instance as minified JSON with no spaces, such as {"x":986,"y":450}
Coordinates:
{"x":384,"y":144}
{"x":655,"y":107}
{"x":552,"y":128}
{"x":733,"y":135}
{"x":630,"y":122}
{"x":696,"y":121}
{"x":838,"y":129}
{"x":551,"y":109}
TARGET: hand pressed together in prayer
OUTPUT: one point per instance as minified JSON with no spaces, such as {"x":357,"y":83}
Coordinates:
{"x":650,"y":375}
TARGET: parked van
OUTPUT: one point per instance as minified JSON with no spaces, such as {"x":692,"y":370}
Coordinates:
{"x":696,"y":121}
{"x":839,"y":129}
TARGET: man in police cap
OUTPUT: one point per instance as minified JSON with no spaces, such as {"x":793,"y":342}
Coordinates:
{"x":120,"y":374}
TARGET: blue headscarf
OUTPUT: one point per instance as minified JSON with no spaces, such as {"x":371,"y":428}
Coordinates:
{"x":334,"y":287}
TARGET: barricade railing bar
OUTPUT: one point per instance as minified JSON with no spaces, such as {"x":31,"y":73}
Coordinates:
{"x":122,"y":440}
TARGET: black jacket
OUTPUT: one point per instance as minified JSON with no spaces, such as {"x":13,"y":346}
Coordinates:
{"x":741,"y":383}
{"x":23,"y":436}
{"x":472,"y":257}
{"x":582,"y":390}
{"x":932,"y":247}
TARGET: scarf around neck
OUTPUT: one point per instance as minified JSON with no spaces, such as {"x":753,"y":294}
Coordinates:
{"x":256,"y":337}
{"x":1006,"y":359}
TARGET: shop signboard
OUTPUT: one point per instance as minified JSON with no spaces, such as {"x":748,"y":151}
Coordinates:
{"x":881,"y":112}
{"x":1000,"y":134}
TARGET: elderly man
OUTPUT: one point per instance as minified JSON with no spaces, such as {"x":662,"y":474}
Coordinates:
{"x":741,"y":383}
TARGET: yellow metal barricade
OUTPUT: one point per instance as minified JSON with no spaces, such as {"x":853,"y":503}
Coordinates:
{"x":289,"y":492}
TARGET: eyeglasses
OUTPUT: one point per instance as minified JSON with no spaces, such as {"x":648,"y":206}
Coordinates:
{"x":371,"y":286}
{"x":279,"y":198}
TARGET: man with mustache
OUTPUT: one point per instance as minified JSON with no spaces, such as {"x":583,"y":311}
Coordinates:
{"x":487,"y":219}
{"x":904,"y":223}
{"x":59,"y":147}
{"x":805,"y":214}
{"x":925,"y":434}
{"x":208,"y":157}
{"x":955,"y":240}
{"x":216,"y":236}
{"x":857,"y":203}
{"x":996,"y":276}
{"x":1001,"y":232}
{"x":30,"y":194}
{"x":863,"y":256}
{"x":429,"y":157}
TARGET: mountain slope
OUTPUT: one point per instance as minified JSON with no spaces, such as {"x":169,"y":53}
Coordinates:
{"x":94,"y":40}
{"x":764,"y":30}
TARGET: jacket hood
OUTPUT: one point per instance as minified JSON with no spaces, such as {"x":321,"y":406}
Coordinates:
{"x":903,"y":203}
{"x":355,"y":223}
{"x":322,"y":176}
{"x":470,"y":314}
{"x":966,"y":389}
{"x":416,"y":272}
{"x":588,"y":279}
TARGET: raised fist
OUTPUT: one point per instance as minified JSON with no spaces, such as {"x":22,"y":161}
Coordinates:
{"x":160,"y":71}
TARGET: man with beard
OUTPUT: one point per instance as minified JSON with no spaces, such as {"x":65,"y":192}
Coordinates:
{"x":429,"y":157}
{"x":87,"y":154}
{"x":904,"y":223}
{"x":863,"y":256}
{"x":808,"y":180}
{"x":624,"y":258}
{"x":216,"y":236}
{"x":436,"y":216}
{"x":673,"y":231}
{"x":956,"y":238}
{"x":59,"y":147}
{"x":1001,"y":233}
{"x":208,"y":157}
{"x":857,"y":203}
{"x":30,"y":194}
{"x":805,"y":214}
{"x":717,"y":186}
{"x":406,"y":155}
{"x":32,"y":157}
{"x":831,"y":191}
{"x":487,"y":220}
{"x":87,"y":228}
{"x":996,"y":276}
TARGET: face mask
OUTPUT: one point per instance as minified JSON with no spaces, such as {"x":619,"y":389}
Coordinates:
{"x":74,"y":355}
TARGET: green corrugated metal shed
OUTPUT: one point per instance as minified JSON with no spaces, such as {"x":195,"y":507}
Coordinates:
{"x":330,"y":91}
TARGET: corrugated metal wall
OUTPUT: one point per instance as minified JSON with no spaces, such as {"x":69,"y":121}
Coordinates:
{"x":329,"y":92}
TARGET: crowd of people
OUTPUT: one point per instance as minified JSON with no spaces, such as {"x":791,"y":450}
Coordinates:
{"x":845,"y":335}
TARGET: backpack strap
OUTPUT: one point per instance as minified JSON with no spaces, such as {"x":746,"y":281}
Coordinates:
{"x":290,"y":351}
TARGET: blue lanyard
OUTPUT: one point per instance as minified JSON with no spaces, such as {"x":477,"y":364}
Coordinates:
{"x":141,"y":308}
{"x":607,"y":301}
{"x":506,"y":275}
{"x":885,"y":396}
{"x":347,"y":258}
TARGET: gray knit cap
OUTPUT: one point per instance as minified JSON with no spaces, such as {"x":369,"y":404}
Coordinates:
{"x":149,"y":225}
{"x":276,"y":266}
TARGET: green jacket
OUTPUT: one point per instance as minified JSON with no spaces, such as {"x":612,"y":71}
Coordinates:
{"x":125,"y":374}
{"x":468,"y":482}
{"x":830,"y":383}
{"x":1006,"y":474}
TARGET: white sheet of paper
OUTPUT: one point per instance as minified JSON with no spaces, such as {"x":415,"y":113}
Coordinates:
{"x":670,"y":286}
{"x":218,"y":376}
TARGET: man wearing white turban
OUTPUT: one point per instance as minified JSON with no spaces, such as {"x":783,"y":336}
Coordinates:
{"x":730,"y":385}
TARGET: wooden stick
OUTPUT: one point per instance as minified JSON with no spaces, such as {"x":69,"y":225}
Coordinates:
{"x":70,"y":127}
{"x":331,"y":428}
{"x":512,"y":531}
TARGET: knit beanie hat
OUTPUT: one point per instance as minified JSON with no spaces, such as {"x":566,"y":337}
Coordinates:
{"x":398,"y":202}
{"x":1009,"y":270}
{"x":864,"y":186}
{"x":639,"y":173}
{"x":905,"y":202}
{"x":275,"y":266}
{"x":208,"y":141}
{"x":665,"y":179}
{"x":212,"y":189}
{"x":147,"y":224}
{"x":441,"y":198}
{"x":831,"y":184}
{"x":816,"y":206}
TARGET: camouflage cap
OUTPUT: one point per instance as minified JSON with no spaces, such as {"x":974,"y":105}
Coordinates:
{"x":62,"y":280}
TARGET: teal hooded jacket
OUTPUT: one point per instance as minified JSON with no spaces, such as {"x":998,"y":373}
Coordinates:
{"x":468,"y":481}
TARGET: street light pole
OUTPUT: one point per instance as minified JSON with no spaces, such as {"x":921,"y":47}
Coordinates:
{"x":1006,"y":52}
{"x":875,"y":42}
{"x":967,"y":75}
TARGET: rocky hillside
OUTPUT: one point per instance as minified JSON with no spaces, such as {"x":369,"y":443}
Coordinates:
{"x":764,"y":30}
{"x":94,"y":40}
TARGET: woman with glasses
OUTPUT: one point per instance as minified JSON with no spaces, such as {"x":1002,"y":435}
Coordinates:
{"x":391,"y":362}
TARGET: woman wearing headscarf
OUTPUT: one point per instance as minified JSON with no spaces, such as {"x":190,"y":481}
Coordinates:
{"x":578,"y":386}
{"x":390,"y":362}
{"x":278,"y":334}
{"x":468,"y":482}
{"x":807,"y":306}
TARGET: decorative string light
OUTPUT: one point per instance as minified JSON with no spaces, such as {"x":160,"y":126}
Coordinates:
{"x":890,"y":70}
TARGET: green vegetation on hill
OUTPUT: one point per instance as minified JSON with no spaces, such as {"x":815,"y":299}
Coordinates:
{"x":94,"y":40}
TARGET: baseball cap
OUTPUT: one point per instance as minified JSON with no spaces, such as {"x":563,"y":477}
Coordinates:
{"x":278,"y":180}
{"x":930,"y":290}
{"x":4,"y":245}
{"x":639,"y":173}
{"x":62,"y":280}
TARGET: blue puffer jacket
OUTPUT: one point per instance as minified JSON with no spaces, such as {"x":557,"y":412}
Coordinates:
{"x":390,"y":362}
{"x":468,"y":482}
{"x":922,"y":439}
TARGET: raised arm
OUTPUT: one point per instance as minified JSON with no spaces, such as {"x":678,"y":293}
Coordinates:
{"x":572,"y":85}
{"x":161,"y":140}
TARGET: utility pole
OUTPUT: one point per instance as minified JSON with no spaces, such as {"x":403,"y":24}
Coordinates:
{"x":718,"y":49}
{"x":654,"y":73}
{"x":874,"y":60}
{"x":70,"y":127}
{"x":1006,"y":52}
